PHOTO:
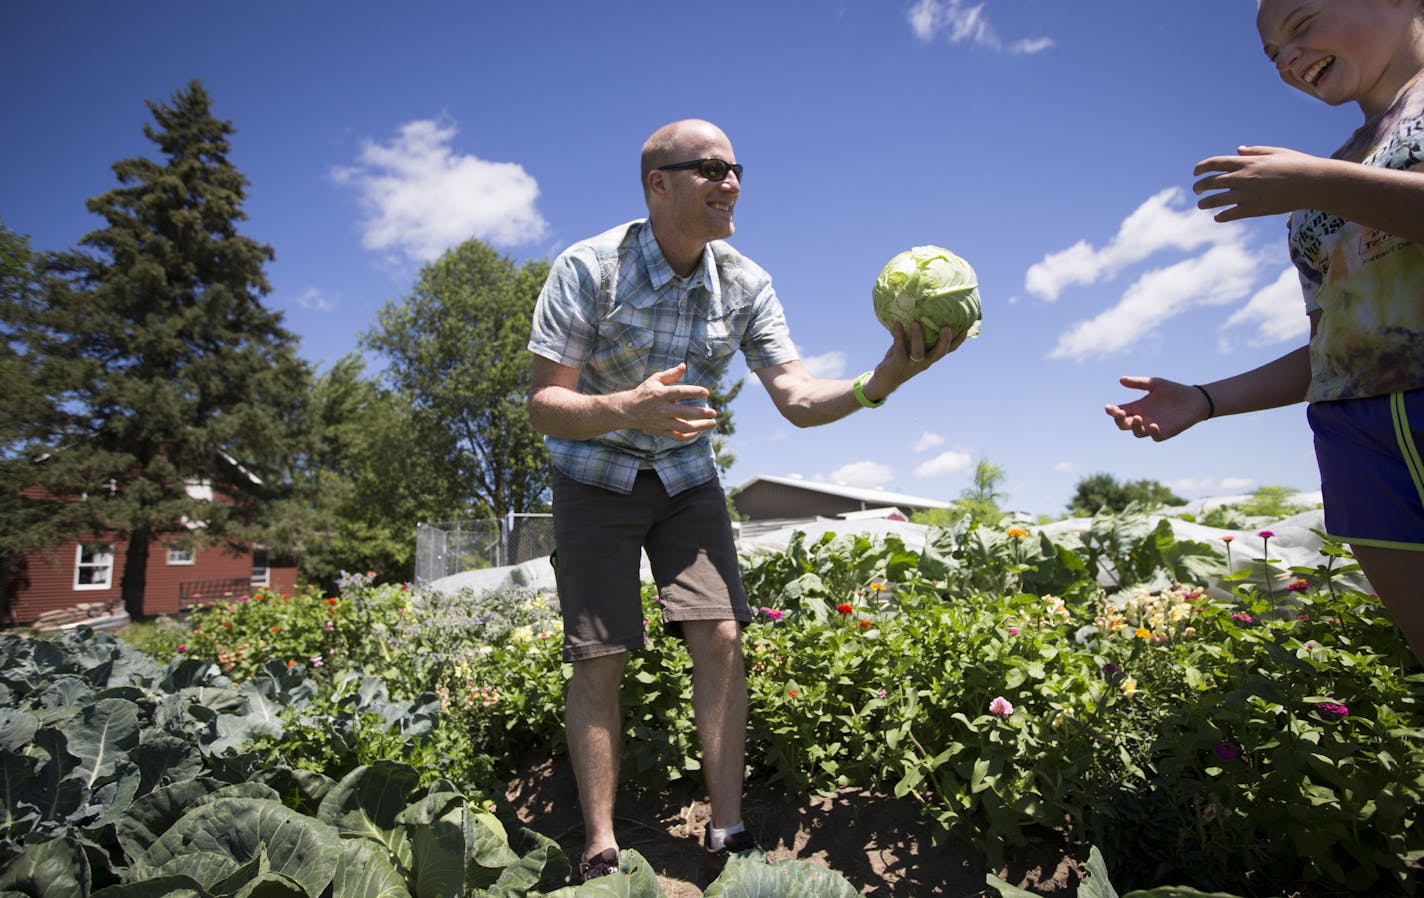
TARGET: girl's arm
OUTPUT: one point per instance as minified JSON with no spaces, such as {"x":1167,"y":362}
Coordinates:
{"x":1270,"y":180}
{"x":1171,"y":407}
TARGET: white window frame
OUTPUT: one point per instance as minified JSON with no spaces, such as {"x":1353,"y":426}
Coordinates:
{"x":180,"y":557}
{"x":264,"y":578}
{"x":96,"y":551}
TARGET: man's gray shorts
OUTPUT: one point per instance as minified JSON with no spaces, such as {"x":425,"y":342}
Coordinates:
{"x":600,"y":535}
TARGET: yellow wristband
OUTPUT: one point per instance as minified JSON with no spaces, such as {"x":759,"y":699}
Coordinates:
{"x":859,"y":390}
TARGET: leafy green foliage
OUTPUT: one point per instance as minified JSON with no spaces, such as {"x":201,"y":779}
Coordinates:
{"x":456,"y":352}
{"x":1121,"y":700}
{"x":1098,"y":492}
{"x":158,"y":363}
{"x":977,"y":505}
{"x":1273,"y":502}
{"x":1208,"y":734}
{"x":366,"y":482}
{"x":126,"y":778}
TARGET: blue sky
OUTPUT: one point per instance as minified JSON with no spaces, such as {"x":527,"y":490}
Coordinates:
{"x":1050,"y":144}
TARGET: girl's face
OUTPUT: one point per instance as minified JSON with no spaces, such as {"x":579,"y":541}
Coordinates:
{"x":1344,"y":51}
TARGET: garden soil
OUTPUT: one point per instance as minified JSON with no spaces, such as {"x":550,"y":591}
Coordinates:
{"x":880,"y":844}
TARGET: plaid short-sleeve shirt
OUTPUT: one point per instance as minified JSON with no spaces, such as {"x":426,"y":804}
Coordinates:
{"x":613,"y":308}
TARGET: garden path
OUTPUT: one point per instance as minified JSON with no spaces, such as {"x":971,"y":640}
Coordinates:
{"x":880,"y":844}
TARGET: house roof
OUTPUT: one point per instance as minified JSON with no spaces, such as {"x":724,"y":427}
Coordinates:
{"x":872,"y":498}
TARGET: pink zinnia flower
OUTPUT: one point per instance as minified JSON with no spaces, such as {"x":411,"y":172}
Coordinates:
{"x":1227,"y":751}
{"x":1227,"y":539}
{"x":1000,"y":707}
{"x":1300,"y":585}
{"x":1241,"y":616}
{"x":1265,"y":534}
{"x":1013,"y":631}
{"x":1334,"y":709}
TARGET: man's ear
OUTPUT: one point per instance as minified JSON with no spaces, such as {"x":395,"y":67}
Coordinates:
{"x":657,"y":182}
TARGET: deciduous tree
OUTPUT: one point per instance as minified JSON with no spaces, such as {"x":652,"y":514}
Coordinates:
{"x":456,"y":352}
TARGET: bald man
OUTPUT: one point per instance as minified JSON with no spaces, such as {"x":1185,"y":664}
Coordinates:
{"x":631,"y":331}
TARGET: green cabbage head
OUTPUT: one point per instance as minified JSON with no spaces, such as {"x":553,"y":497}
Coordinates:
{"x":931,"y":285}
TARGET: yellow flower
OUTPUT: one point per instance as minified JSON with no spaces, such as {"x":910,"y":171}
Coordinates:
{"x":1143,"y":633}
{"x":1017,"y":532}
{"x":877,"y":587}
{"x":1129,"y":686}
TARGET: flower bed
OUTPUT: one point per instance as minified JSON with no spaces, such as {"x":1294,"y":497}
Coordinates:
{"x":1250,"y":743}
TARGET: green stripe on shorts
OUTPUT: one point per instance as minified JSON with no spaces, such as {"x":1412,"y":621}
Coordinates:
{"x":1406,"y":442}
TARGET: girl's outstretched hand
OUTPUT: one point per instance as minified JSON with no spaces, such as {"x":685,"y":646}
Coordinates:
{"x":1168,"y":408}
{"x":1256,"y":181}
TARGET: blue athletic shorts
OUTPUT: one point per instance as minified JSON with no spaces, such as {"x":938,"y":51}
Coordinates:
{"x":1371,"y":474}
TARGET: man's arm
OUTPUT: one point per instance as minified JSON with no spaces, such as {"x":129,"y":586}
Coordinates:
{"x":808,"y":401}
{"x":558,"y":409}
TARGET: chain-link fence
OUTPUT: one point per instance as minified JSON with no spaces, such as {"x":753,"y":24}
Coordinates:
{"x":452,"y":547}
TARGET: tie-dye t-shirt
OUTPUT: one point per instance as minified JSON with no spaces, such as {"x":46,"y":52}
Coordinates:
{"x":1367,"y":284}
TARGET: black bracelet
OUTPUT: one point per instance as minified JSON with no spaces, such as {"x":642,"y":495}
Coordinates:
{"x":1210,"y":406}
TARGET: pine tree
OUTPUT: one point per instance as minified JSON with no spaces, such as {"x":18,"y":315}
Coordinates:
{"x":160,"y":356}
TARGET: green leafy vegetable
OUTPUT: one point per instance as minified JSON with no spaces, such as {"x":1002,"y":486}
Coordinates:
{"x":931,"y":285}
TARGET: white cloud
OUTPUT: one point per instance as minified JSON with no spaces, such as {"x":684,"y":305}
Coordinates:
{"x":1211,"y":486}
{"x":1162,"y":222}
{"x":959,"y":21}
{"x":1031,"y":45}
{"x":1065,"y":467}
{"x":1222,"y":274}
{"x":928,"y":441}
{"x":945,"y":463}
{"x":827,"y":364}
{"x":315,"y":300}
{"x":421,"y":197}
{"x":1276,"y":310}
{"x":863,"y":473}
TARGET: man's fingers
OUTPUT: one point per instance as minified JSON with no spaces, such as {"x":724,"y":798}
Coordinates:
{"x":672,"y":375}
{"x":682,"y":392}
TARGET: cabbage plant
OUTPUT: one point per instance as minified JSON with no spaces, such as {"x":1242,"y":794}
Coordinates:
{"x":931,"y":285}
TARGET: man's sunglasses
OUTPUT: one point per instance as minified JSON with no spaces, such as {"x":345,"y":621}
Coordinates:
{"x":712,"y":169}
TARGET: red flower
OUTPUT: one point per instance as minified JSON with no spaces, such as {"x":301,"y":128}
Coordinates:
{"x":864,"y":624}
{"x":331,"y":601}
{"x":843,"y":608}
{"x":791,"y":692}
